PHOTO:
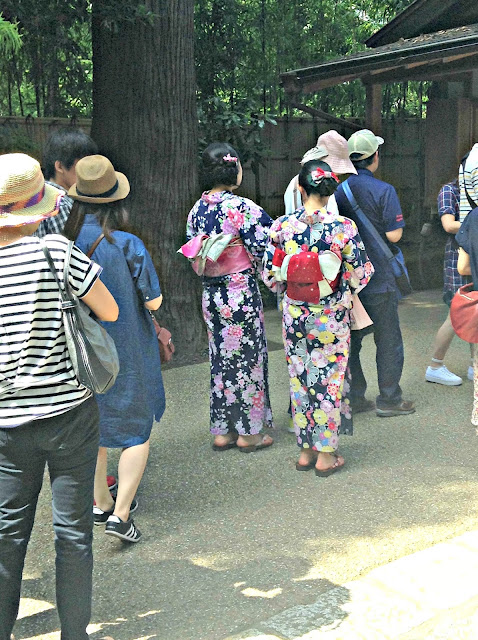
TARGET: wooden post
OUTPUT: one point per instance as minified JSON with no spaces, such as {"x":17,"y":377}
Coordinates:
{"x":373,"y":114}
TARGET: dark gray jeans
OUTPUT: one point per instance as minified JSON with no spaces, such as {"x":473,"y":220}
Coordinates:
{"x":68,"y":444}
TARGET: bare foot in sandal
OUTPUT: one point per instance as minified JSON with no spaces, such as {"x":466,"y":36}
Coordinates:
{"x":328,"y":463}
{"x":223,"y":442}
{"x":248,"y":444}
{"x":307,"y":460}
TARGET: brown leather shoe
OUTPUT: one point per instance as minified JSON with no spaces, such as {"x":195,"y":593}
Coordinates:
{"x":403,"y":409}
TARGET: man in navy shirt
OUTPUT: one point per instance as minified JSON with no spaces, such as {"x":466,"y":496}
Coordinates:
{"x":379,"y":202}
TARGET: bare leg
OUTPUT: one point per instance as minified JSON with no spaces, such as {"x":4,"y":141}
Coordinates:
{"x":443,"y":340}
{"x":130,"y":471}
{"x":103,"y":497}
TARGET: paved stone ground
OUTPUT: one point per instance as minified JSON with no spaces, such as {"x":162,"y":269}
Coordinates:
{"x":387,"y":548}
{"x":429,"y":595}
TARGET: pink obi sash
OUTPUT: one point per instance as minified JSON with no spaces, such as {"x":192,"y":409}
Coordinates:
{"x":233,"y":259}
{"x":216,"y":256}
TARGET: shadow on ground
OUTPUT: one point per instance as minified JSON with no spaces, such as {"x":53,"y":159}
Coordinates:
{"x":231,"y":539}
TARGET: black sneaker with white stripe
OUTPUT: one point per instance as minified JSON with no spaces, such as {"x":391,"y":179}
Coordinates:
{"x":126,"y":531}
{"x":100,"y":516}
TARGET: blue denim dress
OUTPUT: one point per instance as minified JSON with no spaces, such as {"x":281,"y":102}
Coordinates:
{"x":128,"y":409}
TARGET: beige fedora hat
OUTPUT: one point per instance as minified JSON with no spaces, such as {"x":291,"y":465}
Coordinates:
{"x":24,"y":196}
{"x":338,"y":152}
{"x":98,"y":182}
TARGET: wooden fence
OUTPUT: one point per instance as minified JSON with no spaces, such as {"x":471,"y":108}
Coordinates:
{"x":402,"y":164}
{"x":402,"y":156}
{"x":29,"y":134}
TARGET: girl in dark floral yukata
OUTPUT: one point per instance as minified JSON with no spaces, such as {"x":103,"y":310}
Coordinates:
{"x":320,"y":260}
{"x":227,"y":236}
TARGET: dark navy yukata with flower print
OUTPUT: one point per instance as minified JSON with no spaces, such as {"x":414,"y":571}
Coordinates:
{"x":232,"y":309}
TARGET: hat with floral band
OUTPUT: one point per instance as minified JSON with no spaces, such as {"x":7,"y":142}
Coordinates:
{"x":337,"y":152}
{"x":25,"y":198}
{"x":98,"y":182}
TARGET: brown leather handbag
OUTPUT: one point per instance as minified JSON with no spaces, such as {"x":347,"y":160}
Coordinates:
{"x":166,"y":346}
{"x":464,"y":313}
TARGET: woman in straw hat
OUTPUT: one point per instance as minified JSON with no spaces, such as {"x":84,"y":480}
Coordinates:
{"x":98,"y":225}
{"x":320,"y":259}
{"x":46,"y":416}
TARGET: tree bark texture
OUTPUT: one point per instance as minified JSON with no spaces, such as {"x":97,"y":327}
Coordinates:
{"x":145,"y":121}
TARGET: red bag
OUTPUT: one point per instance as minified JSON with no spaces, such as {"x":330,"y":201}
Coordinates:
{"x":166,"y":346}
{"x":464,"y":313}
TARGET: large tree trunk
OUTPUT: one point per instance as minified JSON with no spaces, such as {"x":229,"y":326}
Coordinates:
{"x":145,"y":121}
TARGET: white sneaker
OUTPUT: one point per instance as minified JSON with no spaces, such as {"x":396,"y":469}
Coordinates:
{"x":470,"y":373}
{"x":442,"y":376}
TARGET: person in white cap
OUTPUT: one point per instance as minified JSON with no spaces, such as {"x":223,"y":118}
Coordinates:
{"x":379,"y":202}
{"x":330,"y":145}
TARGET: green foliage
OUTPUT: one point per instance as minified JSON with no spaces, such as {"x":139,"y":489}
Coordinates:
{"x":242,"y":46}
{"x":112,"y":14}
{"x":252,"y":41}
{"x":237,"y":124}
{"x":52,"y":73}
{"x":10,"y":39}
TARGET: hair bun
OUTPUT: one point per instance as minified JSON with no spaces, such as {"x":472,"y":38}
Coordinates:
{"x":316,"y":176}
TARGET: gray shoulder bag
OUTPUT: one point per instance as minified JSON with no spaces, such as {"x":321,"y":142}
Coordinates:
{"x":92,"y":350}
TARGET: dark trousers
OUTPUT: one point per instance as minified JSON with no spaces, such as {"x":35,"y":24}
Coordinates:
{"x":68,"y":444}
{"x":383,"y":310}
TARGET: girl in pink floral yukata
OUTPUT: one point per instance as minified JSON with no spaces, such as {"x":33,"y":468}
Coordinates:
{"x":320,"y":259}
{"x":227,"y":237}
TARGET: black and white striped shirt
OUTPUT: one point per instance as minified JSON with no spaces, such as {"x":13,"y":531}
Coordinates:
{"x":36,"y":375}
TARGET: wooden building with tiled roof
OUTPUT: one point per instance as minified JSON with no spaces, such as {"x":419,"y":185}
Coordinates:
{"x":432,"y":40}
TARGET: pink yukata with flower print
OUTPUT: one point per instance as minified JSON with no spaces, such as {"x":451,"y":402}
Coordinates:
{"x":317,"y":336}
{"x":232,"y":309}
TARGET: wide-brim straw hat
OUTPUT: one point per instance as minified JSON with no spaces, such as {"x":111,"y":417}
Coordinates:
{"x":338,"y":152}
{"x":25,"y":198}
{"x":98,"y":182}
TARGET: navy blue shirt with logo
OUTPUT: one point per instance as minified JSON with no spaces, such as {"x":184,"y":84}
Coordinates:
{"x":379,"y":202}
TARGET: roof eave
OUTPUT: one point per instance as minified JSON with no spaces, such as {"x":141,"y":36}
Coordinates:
{"x":343,"y":70}
{"x":416,"y":13}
